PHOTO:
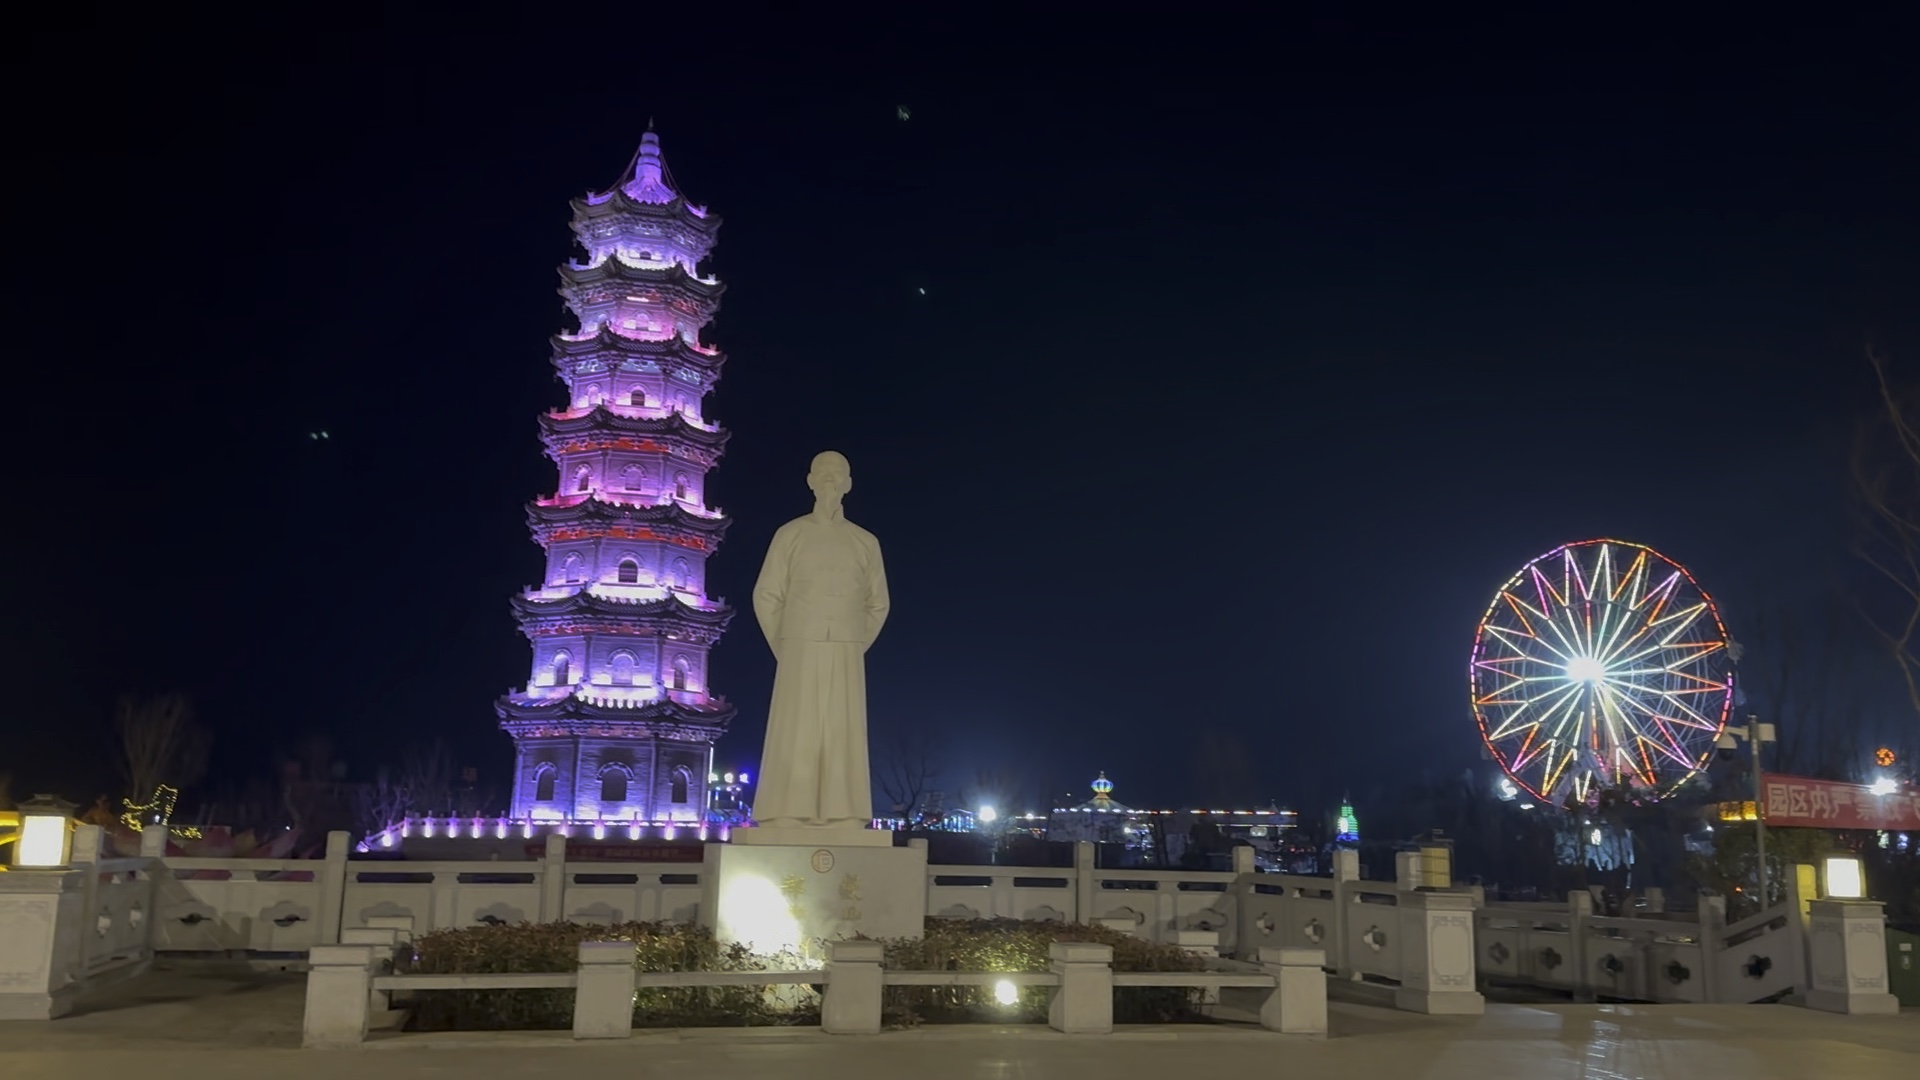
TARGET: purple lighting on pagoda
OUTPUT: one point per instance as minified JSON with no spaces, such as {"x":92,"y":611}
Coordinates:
{"x":617,"y":719}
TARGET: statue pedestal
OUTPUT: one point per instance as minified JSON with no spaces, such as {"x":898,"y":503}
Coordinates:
{"x":775,"y":896}
{"x":809,"y":836}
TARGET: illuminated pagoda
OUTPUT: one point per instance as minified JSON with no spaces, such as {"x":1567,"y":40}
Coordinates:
{"x":1346,"y":826}
{"x":617,"y":723}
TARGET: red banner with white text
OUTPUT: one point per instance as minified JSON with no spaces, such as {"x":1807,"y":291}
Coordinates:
{"x":1799,"y":802}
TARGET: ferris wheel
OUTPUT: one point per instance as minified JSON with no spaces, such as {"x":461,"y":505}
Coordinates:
{"x":1601,"y":665}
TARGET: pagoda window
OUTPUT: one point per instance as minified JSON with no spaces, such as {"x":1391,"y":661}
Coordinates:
{"x":680,"y":667}
{"x":637,"y":397}
{"x":593,"y":394}
{"x":543,"y":783}
{"x":681,"y":788}
{"x":574,"y":569}
{"x":680,"y":485}
{"x":562,"y":668}
{"x":629,"y":572}
{"x":622,"y":664}
{"x":633,"y":477}
{"x":583,"y":479}
{"x":682,"y":574}
{"x":613,"y":785}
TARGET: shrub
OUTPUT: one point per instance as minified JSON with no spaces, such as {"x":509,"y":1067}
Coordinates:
{"x":1009,"y":945}
{"x":1015,"y":945}
{"x":530,"y":947}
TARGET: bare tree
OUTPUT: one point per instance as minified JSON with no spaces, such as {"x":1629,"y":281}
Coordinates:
{"x":906,"y":766}
{"x":1886,"y":488}
{"x":160,"y":743}
{"x":427,"y":774}
{"x":1801,"y":672}
{"x":381,"y":803}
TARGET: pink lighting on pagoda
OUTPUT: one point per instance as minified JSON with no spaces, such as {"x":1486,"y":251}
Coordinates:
{"x":616,"y":720}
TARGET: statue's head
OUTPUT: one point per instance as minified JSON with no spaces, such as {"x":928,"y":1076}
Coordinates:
{"x":830,"y":477}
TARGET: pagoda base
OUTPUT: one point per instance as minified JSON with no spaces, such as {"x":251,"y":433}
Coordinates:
{"x":778,"y":898}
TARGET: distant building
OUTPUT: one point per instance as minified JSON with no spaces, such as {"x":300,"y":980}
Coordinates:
{"x":1156,"y":836}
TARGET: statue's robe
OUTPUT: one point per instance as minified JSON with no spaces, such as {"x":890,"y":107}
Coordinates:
{"x":821,"y":600}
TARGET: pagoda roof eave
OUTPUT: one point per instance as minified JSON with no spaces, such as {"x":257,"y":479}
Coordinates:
{"x":615,"y":202}
{"x":612,"y":268}
{"x":601,"y":418}
{"x":607,"y":339}
{"x":586,"y":603}
{"x":670,"y":514}
{"x":572,"y":709}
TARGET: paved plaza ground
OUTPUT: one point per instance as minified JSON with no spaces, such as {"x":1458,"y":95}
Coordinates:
{"x":205,"y":1022}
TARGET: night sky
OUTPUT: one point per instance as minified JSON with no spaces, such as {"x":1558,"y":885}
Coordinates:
{"x":1198,"y":416}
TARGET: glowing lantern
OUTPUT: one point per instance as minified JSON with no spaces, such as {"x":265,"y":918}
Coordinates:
{"x":1844,"y":879}
{"x":46,"y":833}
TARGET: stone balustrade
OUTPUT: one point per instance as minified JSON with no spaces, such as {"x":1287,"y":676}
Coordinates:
{"x":349,"y":986}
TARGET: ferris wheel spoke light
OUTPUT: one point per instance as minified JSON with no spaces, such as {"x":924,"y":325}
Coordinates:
{"x":1597,"y":665}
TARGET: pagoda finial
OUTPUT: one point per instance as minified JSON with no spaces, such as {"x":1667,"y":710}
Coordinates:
{"x":1102,"y":786}
{"x":649,"y":181}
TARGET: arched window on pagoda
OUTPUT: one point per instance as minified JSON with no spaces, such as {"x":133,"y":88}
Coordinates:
{"x":681,"y":670}
{"x":680,"y":790}
{"x":613,"y":785}
{"x":543,"y":783}
{"x":680,"y":482}
{"x":638,"y":396}
{"x":562,"y":668}
{"x":622,"y":665}
{"x":583,"y":479}
{"x":629,"y":572}
{"x":593,"y":393}
{"x":633,"y":477}
{"x":574,"y":569}
{"x":682,"y":574}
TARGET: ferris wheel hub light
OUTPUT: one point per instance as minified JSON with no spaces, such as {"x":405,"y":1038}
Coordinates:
{"x":1586,"y":669}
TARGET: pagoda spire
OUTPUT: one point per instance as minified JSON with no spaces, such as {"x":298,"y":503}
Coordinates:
{"x":650,"y":181}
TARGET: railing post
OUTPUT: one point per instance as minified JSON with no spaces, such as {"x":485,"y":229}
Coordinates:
{"x":553,"y":879}
{"x":333,"y":887}
{"x":339,"y":985}
{"x":1712,"y":928}
{"x":1243,"y":859}
{"x":384,"y":942}
{"x":37,"y":976}
{"x":1579,"y":910}
{"x":1298,"y":1003}
{"x":1083,"y":1002}
{"x":1436,"y":954}
{"x":153,"y":842}
{"x":1848,"y":947}
{"x":855,"y":985}
{"x":1346,"y":871}
{"x":603,"y":996}
{"x":1083,"y":884}
{"x":85,"y":857}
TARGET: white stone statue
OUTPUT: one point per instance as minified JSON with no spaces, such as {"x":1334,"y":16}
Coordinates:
{"x":821,"y":601}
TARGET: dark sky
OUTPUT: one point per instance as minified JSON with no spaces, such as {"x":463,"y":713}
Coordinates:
{"x":1227,"y":404}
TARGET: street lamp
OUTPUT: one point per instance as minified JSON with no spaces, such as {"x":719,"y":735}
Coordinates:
{"x":1755,"y":734}
{"x":46,"y":833}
